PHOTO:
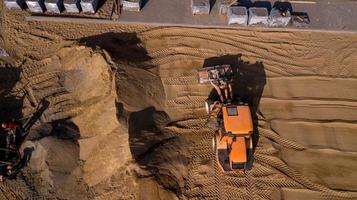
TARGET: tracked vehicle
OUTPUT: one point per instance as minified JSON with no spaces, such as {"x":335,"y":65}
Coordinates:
{"x":229,"y":119}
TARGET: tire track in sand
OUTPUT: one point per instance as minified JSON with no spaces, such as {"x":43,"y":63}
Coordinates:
{"x":205,"y":180}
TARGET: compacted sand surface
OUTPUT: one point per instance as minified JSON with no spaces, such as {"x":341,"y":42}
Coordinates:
{"x":119,"y":112}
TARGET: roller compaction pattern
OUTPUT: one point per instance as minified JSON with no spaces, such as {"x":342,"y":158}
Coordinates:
{"x":269,"y":173}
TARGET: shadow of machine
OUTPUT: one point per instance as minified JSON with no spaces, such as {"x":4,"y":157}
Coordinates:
{"x":247,"y":85}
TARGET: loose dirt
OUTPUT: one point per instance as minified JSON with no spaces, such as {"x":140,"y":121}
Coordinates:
{"x":122,"y":114}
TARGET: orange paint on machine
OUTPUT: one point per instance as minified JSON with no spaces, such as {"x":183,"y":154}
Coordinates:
{"x":230,"y":120}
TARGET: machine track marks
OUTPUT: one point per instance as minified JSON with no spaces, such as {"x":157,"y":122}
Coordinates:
{"x":182,"y":80}
{"x":276,"y":138}
{"x":281,"y":166}
{"x":269,"y":173}
{"x":187,"y":101}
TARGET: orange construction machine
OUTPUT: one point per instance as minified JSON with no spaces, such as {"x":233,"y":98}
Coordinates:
{"x":230,"y":120}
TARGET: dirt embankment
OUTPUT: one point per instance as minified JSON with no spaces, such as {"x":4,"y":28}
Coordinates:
{"x":137,"y":117}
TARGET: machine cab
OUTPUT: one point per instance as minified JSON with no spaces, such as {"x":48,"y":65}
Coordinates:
{"x":239,"y":126}
{"x":237,"y":120}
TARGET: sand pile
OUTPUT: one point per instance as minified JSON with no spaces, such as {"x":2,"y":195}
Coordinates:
{"x":57,"y":88}
{"x":79,"y":157}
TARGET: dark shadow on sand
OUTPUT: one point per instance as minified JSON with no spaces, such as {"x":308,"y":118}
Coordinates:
{"x":161,"y":154}
{"x":120,"y":46}
{"x":10,"y":104}
{"x":145,"y":132}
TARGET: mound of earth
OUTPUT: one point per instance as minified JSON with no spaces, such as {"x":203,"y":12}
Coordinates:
{"x":80,"y":140}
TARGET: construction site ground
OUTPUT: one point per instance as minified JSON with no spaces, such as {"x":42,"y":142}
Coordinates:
{"x":122,"y":114}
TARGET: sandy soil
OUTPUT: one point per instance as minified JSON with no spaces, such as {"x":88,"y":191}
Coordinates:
{"x":124,"y":117}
